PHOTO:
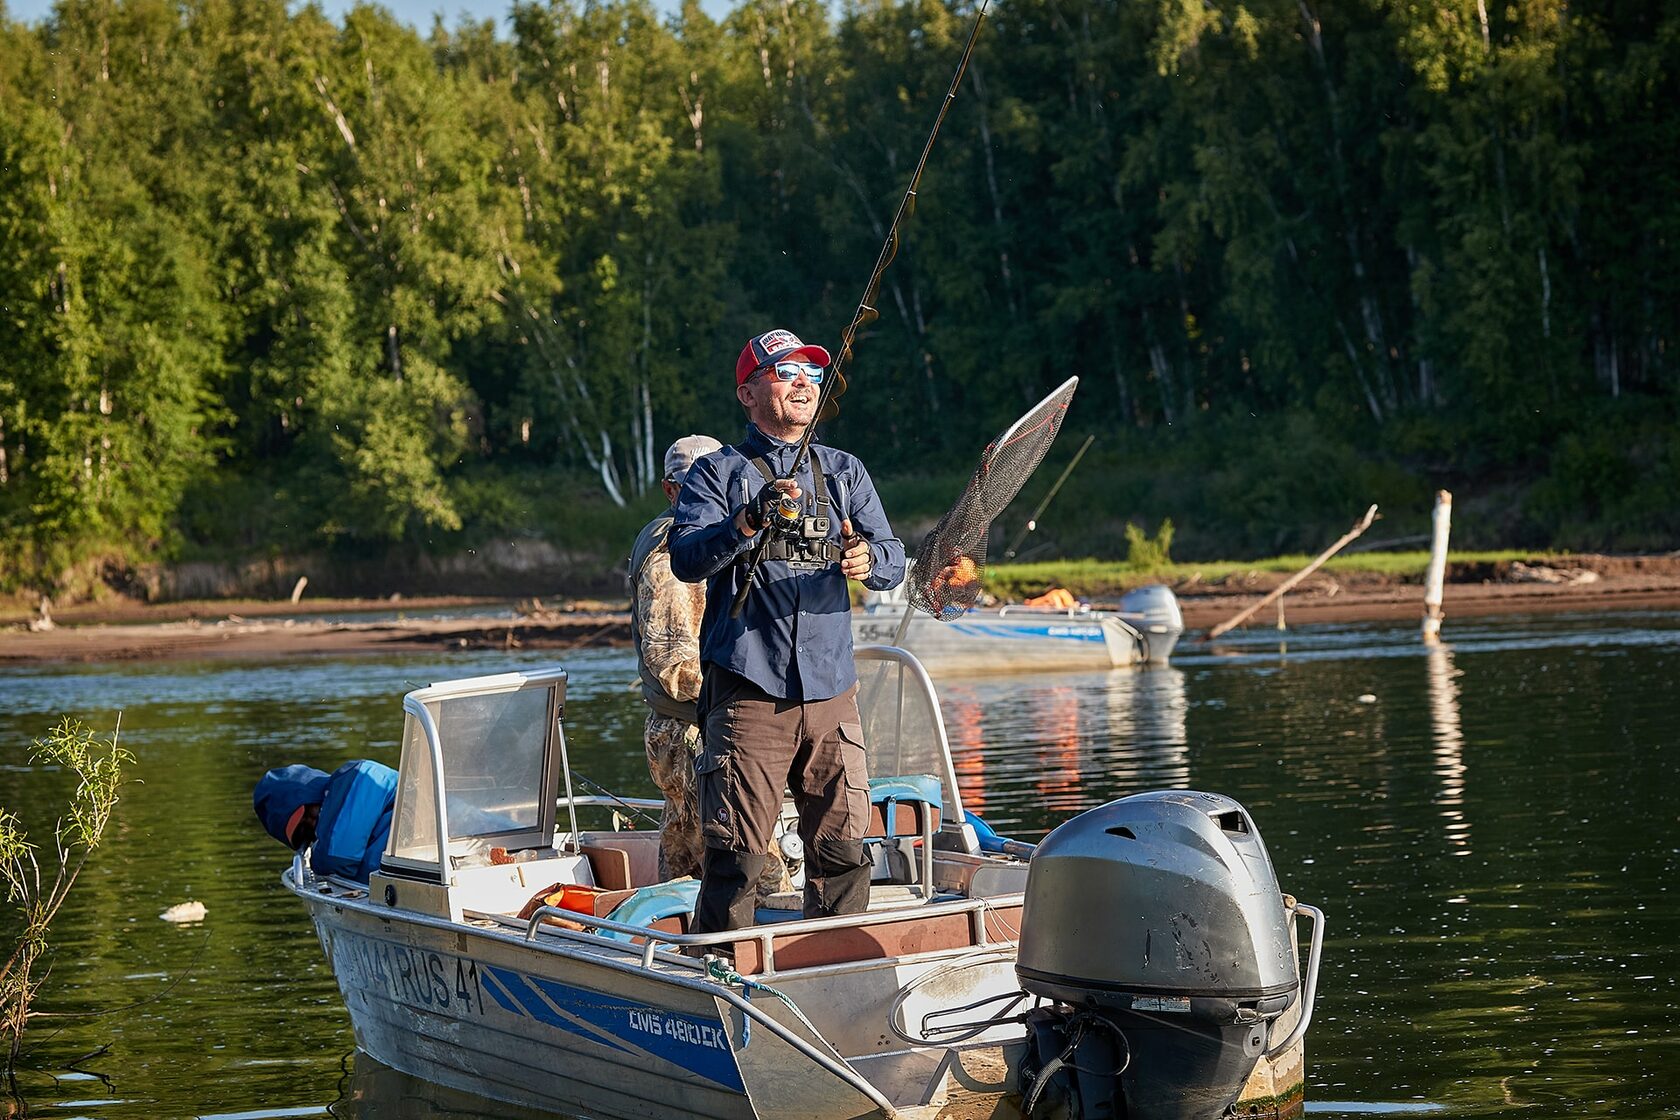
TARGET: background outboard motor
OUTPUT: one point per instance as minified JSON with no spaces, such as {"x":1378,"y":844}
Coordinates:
{"x":1156,"y":926}
{"x":1154,"y":612}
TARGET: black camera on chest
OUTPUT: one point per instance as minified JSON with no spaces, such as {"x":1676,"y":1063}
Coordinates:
{"x":802,"y":542}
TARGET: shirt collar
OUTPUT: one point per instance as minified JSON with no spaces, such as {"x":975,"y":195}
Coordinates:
{"x":758,"y":442}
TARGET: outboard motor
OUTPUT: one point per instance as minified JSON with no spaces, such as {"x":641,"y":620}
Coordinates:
{"x":1156,"y":926}
{"x":1153,"y":611}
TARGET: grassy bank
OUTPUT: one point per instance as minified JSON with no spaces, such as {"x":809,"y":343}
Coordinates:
{"x":1106,"y":579}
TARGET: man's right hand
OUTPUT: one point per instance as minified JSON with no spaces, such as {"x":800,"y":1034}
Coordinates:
{"x":756,"y":514}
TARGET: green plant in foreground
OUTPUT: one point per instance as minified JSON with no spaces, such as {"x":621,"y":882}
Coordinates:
{"x":98,"y":765}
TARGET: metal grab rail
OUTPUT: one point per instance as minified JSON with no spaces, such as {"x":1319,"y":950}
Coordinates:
{"x":1309,"y":987}
{"x":975,"y":908}
{"x":1080,"y":611}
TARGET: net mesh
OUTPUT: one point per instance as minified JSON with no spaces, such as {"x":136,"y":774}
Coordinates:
{"x":950,"y":566}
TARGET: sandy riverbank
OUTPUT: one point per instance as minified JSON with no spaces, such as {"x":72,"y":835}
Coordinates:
{"x":262,"y":630}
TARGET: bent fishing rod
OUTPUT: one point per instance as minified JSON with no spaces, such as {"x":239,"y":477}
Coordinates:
{"x":1032,"y":518}
{"x":834,"y":382}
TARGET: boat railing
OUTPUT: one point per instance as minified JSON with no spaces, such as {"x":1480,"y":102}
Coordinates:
{"x":764,"y":936}
{"x":647,"y":807}
{"x":1050,"y":612}
{"x":1309,"y":984}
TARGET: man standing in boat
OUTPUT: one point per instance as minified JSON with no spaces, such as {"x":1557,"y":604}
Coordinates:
{"x":778,"y":696}
{"x":665,"y":616}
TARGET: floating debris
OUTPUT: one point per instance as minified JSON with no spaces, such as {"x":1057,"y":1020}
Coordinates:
{"x":183,"y":912}
{"x":1544,"y":573}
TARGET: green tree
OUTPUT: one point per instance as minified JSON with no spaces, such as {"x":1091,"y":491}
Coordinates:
{"x":619,"y":186}
{"x":114,"y":310}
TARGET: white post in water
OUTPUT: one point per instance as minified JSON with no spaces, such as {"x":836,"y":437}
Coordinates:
{"x":1437,"y":568}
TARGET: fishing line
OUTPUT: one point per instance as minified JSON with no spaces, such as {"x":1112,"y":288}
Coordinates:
{"x":834,"y":382}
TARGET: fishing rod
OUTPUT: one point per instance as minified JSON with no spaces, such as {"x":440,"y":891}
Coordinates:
{"x":1032,"y":521}
{"x":611,"y":796}
{"x":834,"y":383}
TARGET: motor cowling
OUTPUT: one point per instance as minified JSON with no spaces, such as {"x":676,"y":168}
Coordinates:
{"x":1155,"y":606}
{"x":1153,"y":611}
{"x":1155,"y":920}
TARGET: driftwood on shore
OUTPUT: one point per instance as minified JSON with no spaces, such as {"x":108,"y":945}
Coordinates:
{"x":1244,"y":615}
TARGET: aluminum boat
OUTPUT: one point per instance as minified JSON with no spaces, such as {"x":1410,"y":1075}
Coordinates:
{"x":1139,"y":961}
{"x":1015,"y":638}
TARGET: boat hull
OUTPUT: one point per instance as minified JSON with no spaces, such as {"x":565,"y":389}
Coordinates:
{"x":467,"y":1012}
{"x":574,"y":1028}
{"x":1016,"y":639}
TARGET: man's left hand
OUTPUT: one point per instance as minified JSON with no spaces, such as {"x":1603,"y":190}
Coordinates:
{"x":856,"y":561}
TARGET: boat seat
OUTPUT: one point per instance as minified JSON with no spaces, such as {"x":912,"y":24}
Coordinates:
{"x":641,"y":849}
{"x":907,"y":806}
{"x":648,"y":906}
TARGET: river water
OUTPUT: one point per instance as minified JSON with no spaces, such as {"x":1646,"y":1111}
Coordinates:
{"x":1492,"y":828}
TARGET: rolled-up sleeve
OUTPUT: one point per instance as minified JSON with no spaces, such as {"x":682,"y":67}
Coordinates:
{"x":703,"y":537}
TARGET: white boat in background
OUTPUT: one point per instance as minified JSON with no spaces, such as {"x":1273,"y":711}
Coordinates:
{"x":1140,"y":961}
{"x":1014,"y":638}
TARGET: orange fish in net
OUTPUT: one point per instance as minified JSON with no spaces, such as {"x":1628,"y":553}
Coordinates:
{"x":954,"y":581}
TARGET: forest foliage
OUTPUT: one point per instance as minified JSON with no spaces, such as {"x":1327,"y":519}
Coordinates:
{"x":271,"y":283}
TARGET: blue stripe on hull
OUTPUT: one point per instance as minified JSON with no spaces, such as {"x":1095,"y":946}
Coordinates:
{"x":1047,"y":633}
{"x":698,"y":1045}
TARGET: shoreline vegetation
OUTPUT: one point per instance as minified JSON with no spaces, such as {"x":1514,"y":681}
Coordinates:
{"x":1366,"y":587}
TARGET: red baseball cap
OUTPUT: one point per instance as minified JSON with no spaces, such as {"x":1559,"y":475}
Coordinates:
{"x":773,"y":346}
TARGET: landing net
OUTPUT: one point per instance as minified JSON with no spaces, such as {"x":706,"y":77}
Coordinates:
{"x":950,"y":566}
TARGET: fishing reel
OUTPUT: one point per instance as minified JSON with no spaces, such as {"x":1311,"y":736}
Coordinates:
{"x":786,"y":517}
{"x":798,"y":539}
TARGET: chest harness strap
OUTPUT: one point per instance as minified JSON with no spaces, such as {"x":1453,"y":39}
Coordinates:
{"x":809,"y":549}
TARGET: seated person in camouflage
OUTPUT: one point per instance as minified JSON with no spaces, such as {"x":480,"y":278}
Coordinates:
{"x":665,"y":618}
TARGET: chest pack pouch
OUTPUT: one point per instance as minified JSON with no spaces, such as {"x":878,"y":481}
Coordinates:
{"x":805,"y":546}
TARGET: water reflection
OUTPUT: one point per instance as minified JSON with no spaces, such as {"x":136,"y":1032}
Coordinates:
{"x":1060,"y":743}
{"x":1149,"y":709}
{"x":965,"y":731}
{"x":1448,"y":735}
{"x":371,"y":1090}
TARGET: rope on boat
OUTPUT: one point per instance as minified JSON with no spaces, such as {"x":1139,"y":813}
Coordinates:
{"x":717,"y":968}
{"x":996,"y":915}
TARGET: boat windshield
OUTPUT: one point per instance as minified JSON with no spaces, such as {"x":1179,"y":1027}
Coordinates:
{"x":496,"y":738}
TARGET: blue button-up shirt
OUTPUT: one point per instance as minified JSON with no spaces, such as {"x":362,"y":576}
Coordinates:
{"x":793,"y":637}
